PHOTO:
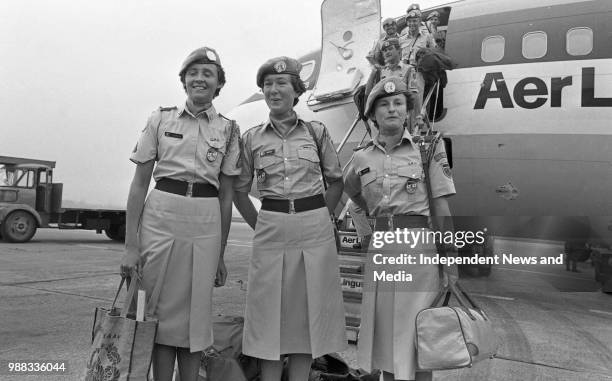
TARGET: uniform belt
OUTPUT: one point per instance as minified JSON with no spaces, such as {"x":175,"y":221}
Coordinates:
{"x":185,"y":188}
{"x":294,"y":206}
{"x":400,"y":221}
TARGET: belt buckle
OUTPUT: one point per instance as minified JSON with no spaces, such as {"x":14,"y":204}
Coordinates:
{"x":189,"y":189}
{"x":390,"y":222}
{"x":291,"y":206}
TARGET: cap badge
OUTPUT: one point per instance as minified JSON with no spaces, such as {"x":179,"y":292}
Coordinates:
{"x":211,"y":55}
{"x":389,"y":87}
{"x":280,"y":66}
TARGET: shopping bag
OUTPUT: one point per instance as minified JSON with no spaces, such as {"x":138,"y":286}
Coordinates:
{"x":121,"y":347}
{"x":453,"y":337}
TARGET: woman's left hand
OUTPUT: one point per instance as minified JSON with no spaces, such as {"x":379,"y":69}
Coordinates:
{"x":221,"y":274}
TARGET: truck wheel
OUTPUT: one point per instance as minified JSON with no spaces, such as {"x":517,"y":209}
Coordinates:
{"x":19,"y":226}
{"x":116,"y":232}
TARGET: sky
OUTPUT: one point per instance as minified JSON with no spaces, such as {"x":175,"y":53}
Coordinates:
{"x":80,"y":78}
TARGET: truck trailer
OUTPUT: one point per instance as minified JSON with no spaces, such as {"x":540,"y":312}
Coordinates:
{"x":29,"y":199}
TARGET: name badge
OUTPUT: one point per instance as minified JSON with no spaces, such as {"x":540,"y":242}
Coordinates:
{"x":364,"y":171}
{"x":267,"y":153}
{"x":173,"y":135}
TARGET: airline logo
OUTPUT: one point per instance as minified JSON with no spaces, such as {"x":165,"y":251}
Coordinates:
{"x":495,"y":89}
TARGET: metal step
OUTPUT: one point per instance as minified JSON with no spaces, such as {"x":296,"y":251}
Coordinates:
{"x":351,"y":262}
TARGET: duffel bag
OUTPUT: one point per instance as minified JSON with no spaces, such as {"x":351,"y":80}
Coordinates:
{"x":453,"y":337}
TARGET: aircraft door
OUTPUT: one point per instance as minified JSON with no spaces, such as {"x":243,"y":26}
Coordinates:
{"x":350,"y":28}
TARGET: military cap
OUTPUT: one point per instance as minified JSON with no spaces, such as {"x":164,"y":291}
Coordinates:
{"x":203,"y":55}
{"x":386,"y":88}
{"x":278,"y":65}
{"x":433,"y":14}
{"x":413,"y":14}
{"x":413,"y":11}
{"x":388,"y":21}
{"x":414,"y":6}
{"x":392,"y":41}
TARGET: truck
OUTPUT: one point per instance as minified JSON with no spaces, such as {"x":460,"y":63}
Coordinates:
{"x":29,"y":199}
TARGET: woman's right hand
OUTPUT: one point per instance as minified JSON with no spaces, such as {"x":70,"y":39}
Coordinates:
{"x":130,"y":263}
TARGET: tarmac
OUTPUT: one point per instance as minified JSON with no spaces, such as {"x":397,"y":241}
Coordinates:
{"x":551,"y":324}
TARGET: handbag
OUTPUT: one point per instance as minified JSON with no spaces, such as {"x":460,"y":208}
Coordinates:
{"x":453,"y":337}
{"x":121,"y":346}
{"x":224,"y":361}
{"x":331,"y":367}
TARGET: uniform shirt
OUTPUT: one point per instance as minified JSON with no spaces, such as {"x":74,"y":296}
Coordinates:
{"x":392,"y":182}
{"x":286,"y":167}
{"x":375,"y":55}
{"x":189,"y":147}
{"x":402,"y":70}
{"x":410,"y":45}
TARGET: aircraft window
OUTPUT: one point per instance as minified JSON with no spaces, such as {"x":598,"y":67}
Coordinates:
{"x":579,"y":41}
{"x":493,"y":48}
{"x":534,"y":45}
{"x":307,"y":70}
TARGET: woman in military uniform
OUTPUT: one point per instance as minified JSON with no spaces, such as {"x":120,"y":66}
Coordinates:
{"x":294,"y":301}
{"x":387,"y":179}
{"x":174,"y":239}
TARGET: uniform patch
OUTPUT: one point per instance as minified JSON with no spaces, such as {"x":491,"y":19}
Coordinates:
{"x":212,"y":154}
{"x":269,"y":152}
{"x":447,"y":171}
{"x":364,"y":171}
{"x":173,"y":135}
{"x":280,"y":66}
{"x":439,"y":156}
{"x":261,"y":176}
{"x":411,"y":187}
{"x":389,"y":87}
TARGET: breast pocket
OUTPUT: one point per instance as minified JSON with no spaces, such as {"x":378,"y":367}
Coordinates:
{"x":308,"y":157}
{"x":214,"y":150}
{"x":411,"y":180}
{"x":267,"y":171}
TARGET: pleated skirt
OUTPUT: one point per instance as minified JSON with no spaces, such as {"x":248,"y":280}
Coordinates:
{"x":389,"y":309}
{"x":294,"y":298}
{"x":180,"y":239}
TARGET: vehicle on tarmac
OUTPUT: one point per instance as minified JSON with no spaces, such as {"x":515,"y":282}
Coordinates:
{"x":602,"y":262}
{"x":525,"y":115}
{"x":29,"y":199}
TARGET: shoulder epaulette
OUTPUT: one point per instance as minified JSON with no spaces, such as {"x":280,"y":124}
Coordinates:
{"x":368,"y":144}
{"x":254,"y":127}
{"x":320,"y":125}
{"x":167,"y":108}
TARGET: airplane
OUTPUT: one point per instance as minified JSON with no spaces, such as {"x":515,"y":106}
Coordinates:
{"x":525,"y":115}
